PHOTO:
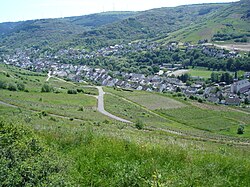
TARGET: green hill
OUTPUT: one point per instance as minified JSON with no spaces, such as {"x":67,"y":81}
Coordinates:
{"x":51,"y":32}
{"x":231,"y":23}
{"x":191,"y":23}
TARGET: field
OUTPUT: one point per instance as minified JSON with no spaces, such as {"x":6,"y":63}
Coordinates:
{"x":199,"y":72}
{"x":95,"y":150}
{"x":221,"y":122}
{"x":152,"y":102}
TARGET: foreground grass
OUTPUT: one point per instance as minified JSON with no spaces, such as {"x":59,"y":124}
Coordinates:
{"x":100,"y":160}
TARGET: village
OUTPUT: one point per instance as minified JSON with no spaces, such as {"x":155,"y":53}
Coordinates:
{"x":163,"y":81}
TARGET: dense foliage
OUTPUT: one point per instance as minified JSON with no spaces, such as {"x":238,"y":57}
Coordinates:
{"x":103,"y":29}
{"x":25,"y":161}
{"x":148,"y":62}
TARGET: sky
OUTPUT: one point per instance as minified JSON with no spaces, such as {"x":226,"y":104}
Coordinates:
{"x":20,"y":10}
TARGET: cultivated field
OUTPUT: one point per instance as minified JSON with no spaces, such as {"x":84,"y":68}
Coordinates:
{"x":155,"y":101}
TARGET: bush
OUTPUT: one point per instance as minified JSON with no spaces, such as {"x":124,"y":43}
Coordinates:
{"x":191,"y":97}
{"x":3,"y":85}
{"x":240,"y":129}
{"x":26,"y":161}
{"x":139,"y":125}
{"x":47,"y":88}
{"x":72,"y":92}
{"x":12,"y":87}
{"x":20,"y":86}
{"x":79,"y":90}
{"x":200,"y":100}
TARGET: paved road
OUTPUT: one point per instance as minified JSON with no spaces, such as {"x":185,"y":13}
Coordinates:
{"x":101,"y":107}
{"x":100,"y":98}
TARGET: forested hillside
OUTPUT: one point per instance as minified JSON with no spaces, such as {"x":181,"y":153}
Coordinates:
{"x":214,"y":22}
{"x":48,"y":32}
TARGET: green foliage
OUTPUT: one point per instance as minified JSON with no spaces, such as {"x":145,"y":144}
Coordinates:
{"x":139,"y":125}
{"x":12,"y":87}
{"x":20,"y":86}
{"x":200,"y":100}
{"x":184,"y":78}
{"x":240,"y":129}
{"x":47,"y":88}
{"x":3,"y":85}
{"x":25,"y":161}
{"x":72,"y":91}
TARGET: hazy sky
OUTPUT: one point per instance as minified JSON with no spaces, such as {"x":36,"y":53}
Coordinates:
{"x":16,"y":10}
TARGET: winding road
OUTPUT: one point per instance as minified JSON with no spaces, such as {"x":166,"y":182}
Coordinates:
{"x":101,"y":106}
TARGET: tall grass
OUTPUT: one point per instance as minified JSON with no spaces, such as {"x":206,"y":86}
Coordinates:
{"x":99,"y":160}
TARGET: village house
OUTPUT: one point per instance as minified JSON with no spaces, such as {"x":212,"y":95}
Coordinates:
{"x":232,"y":100}
{"x":241,"y":86}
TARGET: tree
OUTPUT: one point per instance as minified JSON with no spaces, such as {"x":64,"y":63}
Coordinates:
{"x":178,"y":89}
{"x":226,"y":77}
{"x":156,"y":69}
{"x":184,"y":77}
{"x":246,"y":101}
{"x":214,"y":77}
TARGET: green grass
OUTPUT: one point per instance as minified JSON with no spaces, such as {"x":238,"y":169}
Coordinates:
{"x":221,"y":122}
{"x":132,"y":112}
{"x":200,"y":73}
{"x":154,"y":101}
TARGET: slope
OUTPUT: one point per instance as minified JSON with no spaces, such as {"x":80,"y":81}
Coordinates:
{"x":50,"y":32}
{"x":230,"y":24}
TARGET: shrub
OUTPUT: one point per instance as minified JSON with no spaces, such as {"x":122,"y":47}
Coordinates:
{"x":47,"y":88}
{"x":12,"y":87}
{"x":26,"y":161}
{"x":79,"y":90}
{"x":200,"y":100}
{"x":240,"y":129}
{"x":72,"y":92}
{"x":191,"y":97}
{"x":20,"y":86}
{"x":3,"y":85}
{"x":139,"y":125}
